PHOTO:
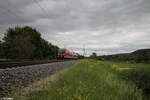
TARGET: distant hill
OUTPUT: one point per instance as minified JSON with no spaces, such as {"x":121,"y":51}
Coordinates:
{"x":140,"y":52}
{"x":141,"y":55}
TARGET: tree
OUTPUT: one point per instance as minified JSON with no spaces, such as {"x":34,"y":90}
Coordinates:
{"x":94,"y":56}
{"x":18,"y":43}
{"x":80,"y":56}
{"x":1,"y":50}
{"x":26,"y":43}
{"x":21,"y":48}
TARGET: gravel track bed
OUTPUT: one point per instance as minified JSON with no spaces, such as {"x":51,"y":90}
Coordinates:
{"x":22,"y":76}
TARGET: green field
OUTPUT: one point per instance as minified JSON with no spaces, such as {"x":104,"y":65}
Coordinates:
{"x":88,"y":80}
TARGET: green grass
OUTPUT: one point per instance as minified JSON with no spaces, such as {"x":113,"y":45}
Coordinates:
{"x":87,"y":80}
{"x":138,"y":74}
{"x":127,"y":64}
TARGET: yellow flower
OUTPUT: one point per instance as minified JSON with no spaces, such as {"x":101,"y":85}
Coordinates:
{"x":100,"y":62}
{"x":79,"y":97}
{"x":115,"y":67}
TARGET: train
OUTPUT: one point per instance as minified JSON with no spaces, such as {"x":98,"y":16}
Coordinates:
{"x":66,"y":54}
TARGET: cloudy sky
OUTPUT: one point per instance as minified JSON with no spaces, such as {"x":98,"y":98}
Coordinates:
{"x":101,"y":26}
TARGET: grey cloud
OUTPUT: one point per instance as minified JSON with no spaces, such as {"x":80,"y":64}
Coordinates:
{"x":112,"y":25}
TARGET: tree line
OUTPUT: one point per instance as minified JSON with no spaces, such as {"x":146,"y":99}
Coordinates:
{"x":26,"y":43}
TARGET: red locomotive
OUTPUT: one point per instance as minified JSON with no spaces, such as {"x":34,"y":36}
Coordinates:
{"x":66,"y":54}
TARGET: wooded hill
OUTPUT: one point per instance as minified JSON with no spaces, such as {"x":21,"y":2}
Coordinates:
{"x":138,"y":56}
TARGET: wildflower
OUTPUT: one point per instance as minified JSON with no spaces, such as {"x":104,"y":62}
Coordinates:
{"x":115,"y":67}
{"x":100,"y":62}
{"x":79,"y":97}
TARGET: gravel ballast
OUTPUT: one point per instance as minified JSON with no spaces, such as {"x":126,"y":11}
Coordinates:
{"x":22,"y":76}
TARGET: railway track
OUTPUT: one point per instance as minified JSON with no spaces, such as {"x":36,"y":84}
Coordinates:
{"x":22,"y":76}
{"x":12,"y":64}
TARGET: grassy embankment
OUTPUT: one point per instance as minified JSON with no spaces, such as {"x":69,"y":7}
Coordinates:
{"x":138,"y":74}
{"x":87,"y":80}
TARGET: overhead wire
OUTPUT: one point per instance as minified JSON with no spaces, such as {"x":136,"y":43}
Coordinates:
{"x":45,"y":12}
{"x":43,"y":9}
{"x":13,"y":13}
